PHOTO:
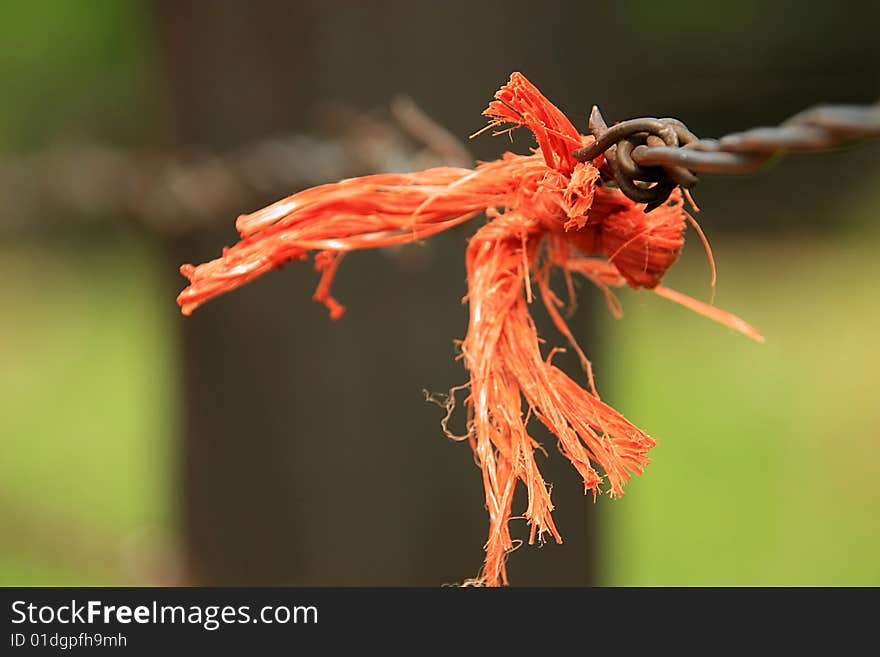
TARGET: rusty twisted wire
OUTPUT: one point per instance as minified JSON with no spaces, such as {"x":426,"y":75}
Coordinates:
{"x":647,"y":158}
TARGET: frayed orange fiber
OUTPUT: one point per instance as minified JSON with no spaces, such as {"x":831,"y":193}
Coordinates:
{"x":545,"y":211}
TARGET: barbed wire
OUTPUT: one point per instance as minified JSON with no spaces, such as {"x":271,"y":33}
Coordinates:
{"x":647,"y":158}
{"x":177,"y":192}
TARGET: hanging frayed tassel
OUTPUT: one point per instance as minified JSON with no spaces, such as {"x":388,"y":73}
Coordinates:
{"x":546,"y":211}
{"x":503,"y":356}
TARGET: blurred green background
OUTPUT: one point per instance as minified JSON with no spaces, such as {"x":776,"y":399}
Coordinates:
{"x":766,"y":469}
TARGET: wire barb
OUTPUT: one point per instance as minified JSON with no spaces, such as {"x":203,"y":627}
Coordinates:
{"x":647,"y":158}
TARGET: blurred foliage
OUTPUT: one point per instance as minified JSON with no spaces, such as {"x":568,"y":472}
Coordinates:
{"x":86,"y":384}
{"x":87,"y":424}
{"x":71,"y":66}
{"x":753,"y":59}
{"x":766,"y":467}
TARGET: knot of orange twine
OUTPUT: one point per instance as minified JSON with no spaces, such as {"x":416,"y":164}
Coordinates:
{"x":546,"y":210}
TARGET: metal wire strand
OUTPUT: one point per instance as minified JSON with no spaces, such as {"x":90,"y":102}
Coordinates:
{"x":647,"y":157}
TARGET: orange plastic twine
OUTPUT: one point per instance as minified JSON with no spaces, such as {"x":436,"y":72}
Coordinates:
{"x":546,"y":211}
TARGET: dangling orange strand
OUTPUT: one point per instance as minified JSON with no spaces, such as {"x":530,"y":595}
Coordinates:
{"x":545,"y":210}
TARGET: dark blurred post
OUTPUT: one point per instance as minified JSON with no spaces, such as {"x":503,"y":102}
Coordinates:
{"x":308,"y":454}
